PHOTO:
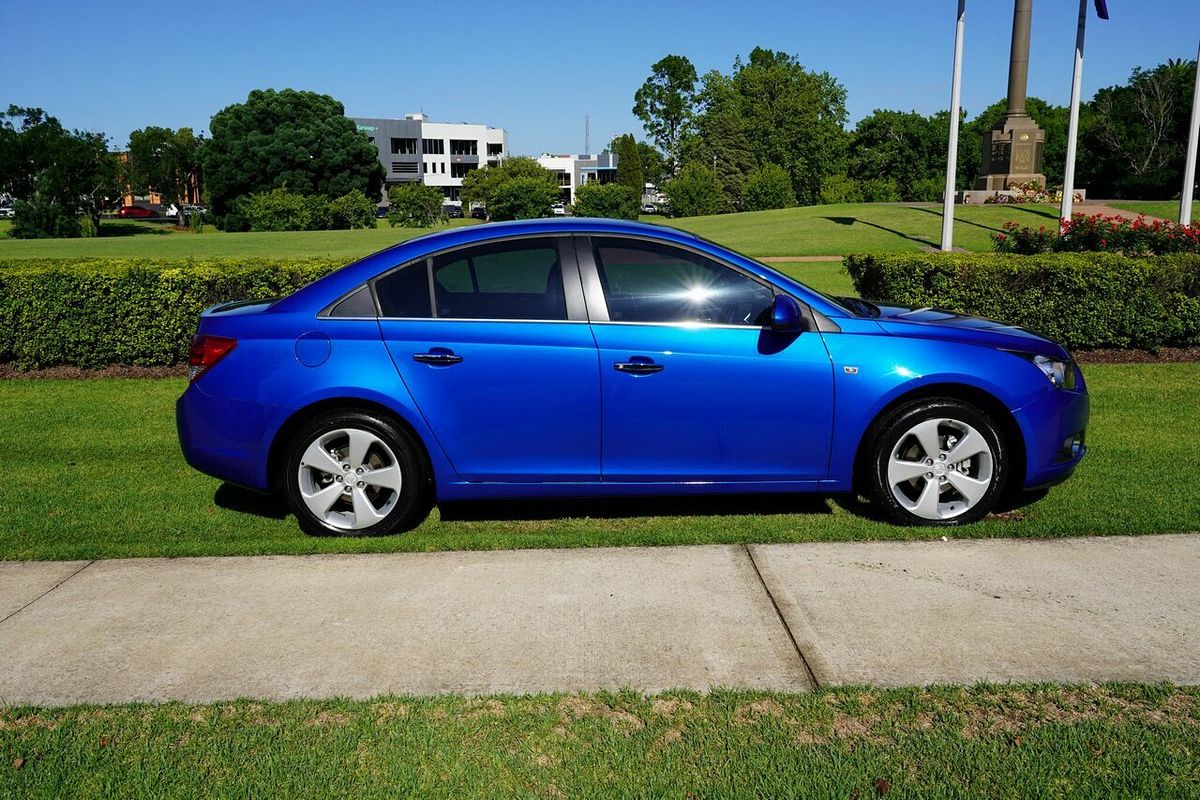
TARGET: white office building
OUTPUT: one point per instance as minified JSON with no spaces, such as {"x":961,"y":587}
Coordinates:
{"x":435,"y":153}
{"x":574,"y":171}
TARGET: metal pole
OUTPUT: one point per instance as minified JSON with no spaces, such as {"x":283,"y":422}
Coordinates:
{"x":1073,"y":127}
{"x":952,"y":151}
{"x":1189,"y":170}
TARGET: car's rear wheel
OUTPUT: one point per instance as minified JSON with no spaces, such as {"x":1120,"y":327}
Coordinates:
{"x":354,"y":473}
{"x":937,"y":462}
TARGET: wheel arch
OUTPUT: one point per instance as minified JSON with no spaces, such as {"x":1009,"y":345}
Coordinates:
{"x":277,"y":453}
{"x":991,"y":405}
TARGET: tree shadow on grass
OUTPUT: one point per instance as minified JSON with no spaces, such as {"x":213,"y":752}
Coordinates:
{"x":119,"y":229}
{"x":893,"y":231}
{"x":1041,"y":212}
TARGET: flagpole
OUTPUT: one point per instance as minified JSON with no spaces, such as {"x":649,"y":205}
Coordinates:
{"x":952,"y":150}
{"x":1189,"y":170}
{"x":1068,"y":190}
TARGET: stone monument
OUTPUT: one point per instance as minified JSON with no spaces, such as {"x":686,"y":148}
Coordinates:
{"x":1012,"y":152}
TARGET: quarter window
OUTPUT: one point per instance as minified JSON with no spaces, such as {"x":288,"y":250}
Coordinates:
{"x":405,"y":292}
{"x":650,"y":282}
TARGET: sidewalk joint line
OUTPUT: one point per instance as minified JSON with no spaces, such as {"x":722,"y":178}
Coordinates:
{"x":48,"y":591}
{"x":812,"y":678}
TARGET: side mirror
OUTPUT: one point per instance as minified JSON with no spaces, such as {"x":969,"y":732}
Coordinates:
{"x":786,"y":315}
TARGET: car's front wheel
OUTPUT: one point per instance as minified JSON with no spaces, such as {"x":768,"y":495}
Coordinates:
{"x":354,"y":473}
{"x":937,"y":462}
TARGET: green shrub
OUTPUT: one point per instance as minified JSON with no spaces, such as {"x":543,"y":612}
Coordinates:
{"x":44,"y":219}
{"x":278,"y":210}
{"x":415,"y":205}
{"x":607,"y":200}
{"x":1080,"y":300}
{"x":96,"y":312}
{"x":840,"y":189}
{"x":769,"y":186}
{"x":927,"y":190}
{"x":880,"y":190}
{"x":696,"y":191}
{"x":526,"y":197}
{"x":320,"y":218}
{"x":352,"y":210}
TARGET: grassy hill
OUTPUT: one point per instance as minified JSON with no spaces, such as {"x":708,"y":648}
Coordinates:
{"x":831,"y":230}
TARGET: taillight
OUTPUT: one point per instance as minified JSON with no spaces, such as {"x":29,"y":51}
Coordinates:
{"x":207,"y":351}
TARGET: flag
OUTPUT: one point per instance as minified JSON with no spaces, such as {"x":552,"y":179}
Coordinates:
{"x":1102,"y":9}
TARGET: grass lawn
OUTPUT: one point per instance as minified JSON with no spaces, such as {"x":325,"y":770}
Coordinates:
{"x":125,"y":239}
{"x":100,"y":476}
{"x":812,"y":230}
{"x":1167,"y":209}
{"x":1013,"y":741}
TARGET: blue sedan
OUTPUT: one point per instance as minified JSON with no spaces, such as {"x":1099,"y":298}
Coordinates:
{"x":586,"y":358}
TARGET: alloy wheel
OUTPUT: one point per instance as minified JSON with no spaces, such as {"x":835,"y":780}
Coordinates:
{"x":349,"y":478}
{"x":940,"y":469}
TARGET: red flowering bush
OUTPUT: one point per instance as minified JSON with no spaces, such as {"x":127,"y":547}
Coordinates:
{"x":1098,"y":233}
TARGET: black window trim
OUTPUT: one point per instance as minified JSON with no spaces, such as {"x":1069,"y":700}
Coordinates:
{"x":567,"y":260}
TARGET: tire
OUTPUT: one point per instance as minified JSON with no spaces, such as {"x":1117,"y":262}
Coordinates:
{"x":390,"y":490}
{"x":912,"y":476}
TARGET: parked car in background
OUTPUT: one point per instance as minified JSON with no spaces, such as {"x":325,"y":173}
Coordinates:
{"x":189,"y":210}
{"x":598,"y":358}
{"x":649,"y":208}
{"x":452,"y":211}
{"x":135,"y":212}
{"x":381,"y":212}
{"x":6,"y":212}
{"x":479,"y":212}
{"x":558,"y":210}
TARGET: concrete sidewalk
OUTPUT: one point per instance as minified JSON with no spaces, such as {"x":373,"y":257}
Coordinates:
{"x":763,"y":616}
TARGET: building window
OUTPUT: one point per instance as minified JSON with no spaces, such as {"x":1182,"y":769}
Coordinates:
{"x":433,"y":147}
{"x":405,"y":167}
{"x":371,"y":139}
{"x":495,"y":149}
{"x":452,"y":192}
{"x":460,"y":170}
{"x":564,"y":178}
{"x":443,"y":167}
{"x":404,"y":147}
{"x":464,"y":147}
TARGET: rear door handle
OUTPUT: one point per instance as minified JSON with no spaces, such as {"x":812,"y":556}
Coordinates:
{"x":638,"y":365}
{"x":442,"y":358}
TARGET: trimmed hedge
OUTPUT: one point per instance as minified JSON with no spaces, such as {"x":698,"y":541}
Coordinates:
{"x":1082,"y":300}
{"x":97,"y":312}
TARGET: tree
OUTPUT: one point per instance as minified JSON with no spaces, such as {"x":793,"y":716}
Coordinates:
{"x":903,"y":146}
{"x":654,"y":166}
{"x":771,"y":110}
{"x":484,"y":186}
{"x":291,"y":139}
{"x":629,"y":163}
{"x":769,"y":186}
{"x":666,"y":102}
{"x":612,"y":200}
{"x":695,"y":191}
{"x":1134,"y":134}
{"x":414,"y":205}
{"x":163,"y":161}
{"x":63,"y":178}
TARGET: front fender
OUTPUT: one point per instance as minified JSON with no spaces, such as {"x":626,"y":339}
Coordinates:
{"x":872,"y":370}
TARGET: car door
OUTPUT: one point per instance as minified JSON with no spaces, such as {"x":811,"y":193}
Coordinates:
{"x":693,"y":387}
{"x":493,"y":344}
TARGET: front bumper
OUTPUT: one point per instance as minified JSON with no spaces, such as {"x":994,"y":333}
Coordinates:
{"x":1054,"y":430}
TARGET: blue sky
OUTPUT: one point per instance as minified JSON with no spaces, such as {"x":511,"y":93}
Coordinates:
{"x":535,"y":68}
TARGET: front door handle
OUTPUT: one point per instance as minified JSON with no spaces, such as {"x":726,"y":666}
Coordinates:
{"x":442,"y":358}
{"x":638,"y":365}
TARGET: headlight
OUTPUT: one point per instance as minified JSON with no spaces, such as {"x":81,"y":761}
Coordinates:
{"x":1060,"y":373}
